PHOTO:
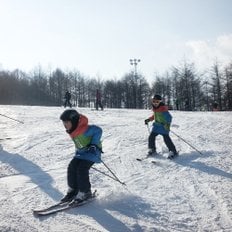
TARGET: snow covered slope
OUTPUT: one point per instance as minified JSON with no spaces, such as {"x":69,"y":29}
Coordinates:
{"x":191,"y":193}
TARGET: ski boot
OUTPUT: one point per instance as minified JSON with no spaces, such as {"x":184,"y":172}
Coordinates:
{"x":80,"y":197}
{"x":151,"y":152}
{"x":172,"y":154}
{"x":71,"y":194}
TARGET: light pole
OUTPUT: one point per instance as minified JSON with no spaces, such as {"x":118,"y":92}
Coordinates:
{"x":135,"y":63}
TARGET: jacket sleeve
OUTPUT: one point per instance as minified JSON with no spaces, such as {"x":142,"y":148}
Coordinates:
{"x":95,"y":132}
{"x":152,"y":118}
{"x":167,"y":117}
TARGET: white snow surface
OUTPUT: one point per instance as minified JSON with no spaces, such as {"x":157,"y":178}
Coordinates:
{"x":191,"y":193}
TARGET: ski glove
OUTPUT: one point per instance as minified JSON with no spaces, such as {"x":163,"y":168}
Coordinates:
{"x":147,"y":121}
{"x":167,"y":126}
{"x":92,"y":148}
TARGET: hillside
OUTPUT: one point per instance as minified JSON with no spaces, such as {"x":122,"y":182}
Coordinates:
{"x":190,"y":193}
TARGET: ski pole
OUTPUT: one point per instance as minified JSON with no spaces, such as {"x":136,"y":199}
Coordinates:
{"x":186,"y":142}
{"x":116,"y":178}
{"x":12,"y":118}
{"x":104,"y":173}
{"x":148,"y":129}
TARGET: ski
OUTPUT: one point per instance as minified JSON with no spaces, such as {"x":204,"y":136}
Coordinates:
{"x":173,"y":157}
{"x":148,"y":157}
{"x":5,"y":138}
{"x":145,"y":158}
{"x":155,"y":161}
{"x":59,"y":207}
{"x":141,"y":159}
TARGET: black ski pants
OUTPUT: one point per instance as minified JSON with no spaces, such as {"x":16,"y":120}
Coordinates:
{"x":78,"y":174}
{"x":167,"y":141}
{"x":67,"y":103}
{"x":98,"y":103}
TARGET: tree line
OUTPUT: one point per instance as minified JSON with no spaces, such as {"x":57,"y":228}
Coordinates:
{"x":183,"y":88}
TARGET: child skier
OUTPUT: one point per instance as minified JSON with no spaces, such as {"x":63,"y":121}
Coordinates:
{"x":88,"y":151}
{"x":161,"y":126}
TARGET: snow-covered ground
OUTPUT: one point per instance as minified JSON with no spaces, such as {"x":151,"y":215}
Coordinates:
{"x":190,"y":193}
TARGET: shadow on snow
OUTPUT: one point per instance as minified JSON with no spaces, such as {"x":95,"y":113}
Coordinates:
{"x":27,"y":168}
{"x":190,"y":160}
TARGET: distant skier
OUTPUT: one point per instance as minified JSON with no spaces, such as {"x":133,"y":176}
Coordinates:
{"x":98,"y":100}
{"x":88,"y":151}
{"x":67,"y":98}
{"x":161,"y":126}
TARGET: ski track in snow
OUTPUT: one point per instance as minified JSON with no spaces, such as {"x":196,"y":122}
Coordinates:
{"x":190,"y":193}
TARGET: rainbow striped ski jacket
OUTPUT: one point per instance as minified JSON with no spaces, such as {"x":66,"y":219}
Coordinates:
{"x":162,"y":119}
{"x":84,"y":136}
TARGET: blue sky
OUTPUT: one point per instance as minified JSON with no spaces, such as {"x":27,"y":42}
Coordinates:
{"x":98,"y":37}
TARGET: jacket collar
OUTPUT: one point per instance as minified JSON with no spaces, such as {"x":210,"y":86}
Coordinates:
{"x":81,"y":128}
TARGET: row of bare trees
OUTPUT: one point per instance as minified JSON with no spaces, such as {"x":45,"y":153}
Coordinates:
{"x":183,"y":88}
{"x":186,"y":89}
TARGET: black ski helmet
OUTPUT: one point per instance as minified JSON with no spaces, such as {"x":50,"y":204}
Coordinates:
{"x":157,"y":97}
{"x":72,"y":116}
